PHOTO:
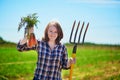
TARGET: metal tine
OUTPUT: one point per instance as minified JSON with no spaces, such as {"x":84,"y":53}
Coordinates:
{"x":72,"y":32}
{"x":76,"y":31}
{"x":85,"y":33}
{"x":80,"y":32}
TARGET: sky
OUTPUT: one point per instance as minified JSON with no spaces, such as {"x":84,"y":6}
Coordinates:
{"x":103,"y":17}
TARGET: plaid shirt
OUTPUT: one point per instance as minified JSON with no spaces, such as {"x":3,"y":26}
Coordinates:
{"x":50,"y":62}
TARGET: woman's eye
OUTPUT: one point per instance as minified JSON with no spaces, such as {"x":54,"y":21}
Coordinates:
{"x":50,"y":31}
{"x":55,"y":32}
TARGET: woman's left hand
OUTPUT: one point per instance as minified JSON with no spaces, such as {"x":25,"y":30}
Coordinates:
{"x":71,"y":61}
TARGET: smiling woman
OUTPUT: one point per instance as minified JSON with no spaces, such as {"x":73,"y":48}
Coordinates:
{"x":52,"y":54}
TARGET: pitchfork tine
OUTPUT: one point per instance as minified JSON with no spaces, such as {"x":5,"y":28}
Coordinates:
{"x":76,"y":31}
{"x":85,"y":33}
{"x":72,"y":31}
{"x":80,"y":32}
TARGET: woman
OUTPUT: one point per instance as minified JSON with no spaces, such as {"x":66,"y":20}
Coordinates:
{"x":52,"y":55}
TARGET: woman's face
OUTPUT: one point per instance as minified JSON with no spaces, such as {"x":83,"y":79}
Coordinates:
{"x":52,"y":33}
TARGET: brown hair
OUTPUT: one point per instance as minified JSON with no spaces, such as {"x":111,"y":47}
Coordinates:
{"x":59,"y":31}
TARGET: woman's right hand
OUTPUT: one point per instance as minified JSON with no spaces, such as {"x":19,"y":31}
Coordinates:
{"x":23,"y":41}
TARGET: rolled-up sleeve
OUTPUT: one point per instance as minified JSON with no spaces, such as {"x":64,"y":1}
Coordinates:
{"x":65,"y":58}
{"x":24,"y":47}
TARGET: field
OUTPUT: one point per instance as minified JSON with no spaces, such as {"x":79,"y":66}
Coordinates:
{"x":94,"y":62}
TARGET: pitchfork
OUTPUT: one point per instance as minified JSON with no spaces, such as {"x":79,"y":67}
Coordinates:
{"x":76,"y":42}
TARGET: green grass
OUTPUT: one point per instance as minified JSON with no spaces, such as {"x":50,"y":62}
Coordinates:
{"x":94,"y":62}
{"x":16,"y":65}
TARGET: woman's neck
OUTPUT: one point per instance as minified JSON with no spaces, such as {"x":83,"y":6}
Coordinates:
{"x":51,"y":44}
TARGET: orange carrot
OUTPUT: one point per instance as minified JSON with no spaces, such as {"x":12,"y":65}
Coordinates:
{"x":32,"y":40}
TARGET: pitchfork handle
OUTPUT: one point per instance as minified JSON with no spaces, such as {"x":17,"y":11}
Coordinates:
{"x":72,"y":66}
{"x":74,"y":49}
